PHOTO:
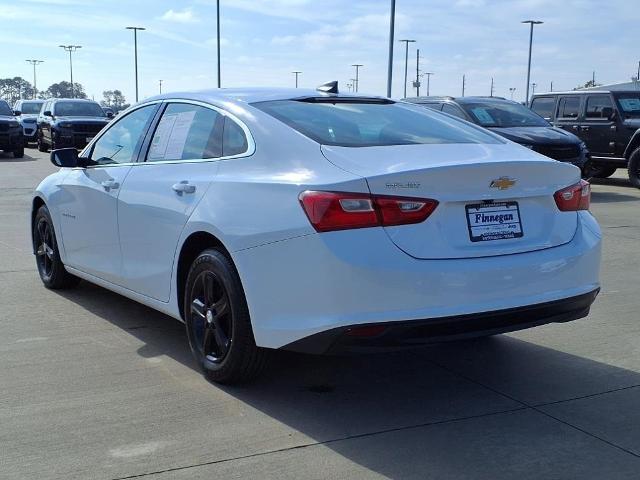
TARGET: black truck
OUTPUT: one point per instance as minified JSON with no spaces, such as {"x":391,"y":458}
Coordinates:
{"x":11,"y":136}
{"x":607,"y":121}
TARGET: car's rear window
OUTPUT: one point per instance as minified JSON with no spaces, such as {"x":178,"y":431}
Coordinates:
{"x":366,"y":123}
{"x":5,"y":109}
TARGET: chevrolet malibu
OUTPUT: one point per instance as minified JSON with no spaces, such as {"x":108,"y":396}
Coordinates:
{"x":317,"y":222}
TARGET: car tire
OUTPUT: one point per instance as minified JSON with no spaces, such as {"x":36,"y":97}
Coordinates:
{"x":218,"y":323}
{"x":42,"y":147}
{"x":634,"y":168}
{"x":19,"y":153}
{"x":50,"y":266}
{"x":602,"y":172}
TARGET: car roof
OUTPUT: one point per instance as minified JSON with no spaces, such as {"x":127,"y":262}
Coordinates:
{"x":86,"y":100}
{"x":251,"y":95}
{"x":472,"y":99}
{"x":31,"y":101}
{"x":583,"y":92}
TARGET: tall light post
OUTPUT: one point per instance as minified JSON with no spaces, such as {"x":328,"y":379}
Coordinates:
{"x":428,"y":75}
{"x":532,"y":23}
{"x":160,"y":85}
{"x":218,"y":41}
{"x":464,"y":83}
{"x":357,"y":79}
{"x":406,"y":63}
{"x":135,"y":49}
{"x":34,"y":63}
{"x":392,"y":27}
{"x":533,"y":89}
{"x":296,"y":73}
{"x":512,"y":91}
{"x":71,"y":49}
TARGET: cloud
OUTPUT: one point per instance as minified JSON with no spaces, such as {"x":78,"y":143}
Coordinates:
{"x":184,"y":16}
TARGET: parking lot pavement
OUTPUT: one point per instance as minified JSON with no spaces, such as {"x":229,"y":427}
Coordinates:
{"x":96,"y":386}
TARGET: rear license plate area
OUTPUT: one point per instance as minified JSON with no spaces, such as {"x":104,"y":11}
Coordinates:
{"x":493,"y":221}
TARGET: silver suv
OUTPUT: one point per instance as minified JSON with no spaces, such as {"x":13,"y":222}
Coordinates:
{"x":28,"y":117}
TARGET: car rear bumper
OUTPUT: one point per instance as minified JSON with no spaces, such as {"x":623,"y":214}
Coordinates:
{"x":383,"y":336}
{"x":301,"y":287}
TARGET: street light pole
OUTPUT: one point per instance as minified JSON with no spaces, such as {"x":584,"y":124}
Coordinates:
{"x":392,"y":25}
{"x":357,"y":79}
{"x":135,"y":48}
{"x":464,"y":82}
{"x":406,"y":63}
{"x":532,"y":22}
{"x":160,"y":84}
{"x":218,"y":40}
{"x":417,"y":72}
{"x":71,"y":49}
{"x":491,"y":95}
{"x":428,"y":74}
{"x":34,"y":63}
{"x":533,"y":88}
{"x":296,"y":73}
{"x":512,"y":90}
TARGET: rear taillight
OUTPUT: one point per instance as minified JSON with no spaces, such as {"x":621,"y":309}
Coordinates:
{"x":574,"y":198}
{"x":328,"y":211}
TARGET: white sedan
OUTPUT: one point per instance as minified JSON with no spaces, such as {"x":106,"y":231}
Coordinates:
{"x":317,"y":222}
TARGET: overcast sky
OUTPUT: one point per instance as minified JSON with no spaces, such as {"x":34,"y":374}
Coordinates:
{"x":264,"y":40}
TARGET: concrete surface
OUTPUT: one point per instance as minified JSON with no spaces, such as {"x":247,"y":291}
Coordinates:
{"x":95,"y":386}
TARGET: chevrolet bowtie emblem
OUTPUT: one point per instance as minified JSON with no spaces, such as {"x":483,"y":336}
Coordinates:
{"x":502,"y":183}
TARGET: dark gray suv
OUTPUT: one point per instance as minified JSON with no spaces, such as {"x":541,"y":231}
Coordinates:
{"x":607,"y":121}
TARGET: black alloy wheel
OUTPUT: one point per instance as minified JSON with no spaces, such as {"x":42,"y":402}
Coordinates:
{"x":50,"y":266}
{"x":218,"y":323}
{"x":634,"y":168}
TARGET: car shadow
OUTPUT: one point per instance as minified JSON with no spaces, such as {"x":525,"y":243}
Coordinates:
{"x":614,"y":182}
{"x":370,"y":399}
{"x":9,"y":158}
{"x":612,"y":197}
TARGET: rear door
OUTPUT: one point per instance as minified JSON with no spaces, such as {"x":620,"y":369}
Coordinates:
{"x":89,"y":204}
{"x":568,"y":114}
{"x":161,"y":193}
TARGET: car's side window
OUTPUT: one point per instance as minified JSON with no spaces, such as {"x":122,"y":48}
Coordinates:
{"x":433,"y":106}
{"x":569,"y":107}
{"x":234,"y":140}
{"x":543,"y":106}
{"x":453,"y":110}
{"x":120,"y":142}
{"x":187,"y":132}
{"x":596,"y":105}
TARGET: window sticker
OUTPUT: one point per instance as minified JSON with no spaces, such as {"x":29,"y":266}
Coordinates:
{"x":171,"y":136}
{"x":482,"y":115}
{"x":630,"y":104}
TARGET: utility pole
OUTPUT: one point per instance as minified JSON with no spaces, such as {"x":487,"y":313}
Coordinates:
{"x":392,"y":25}
{"x":418,"y":72}
{"x":464,"y":81}
{"x":34,"y":63}
{"x":296,"y":73}
{"x":406,"y":63}
{"x":593,"y":79}
{"x":356,"y":86}
{"x":491,"y":95}
{"x":71,"y":49}
{"x":135,"y":50}
{"x":551,"y":89}
{"x":218,"y":42}
{"x":532,"y":22}
{"x":512,"y":90}
{"x":160,"y":84}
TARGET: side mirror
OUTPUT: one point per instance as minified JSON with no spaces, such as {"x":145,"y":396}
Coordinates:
{"x":47,"y":113}
{"x":609,"y":113}
{"x":17,"y":113}
{"x":65,"y":157}
{"x":109,"y":114}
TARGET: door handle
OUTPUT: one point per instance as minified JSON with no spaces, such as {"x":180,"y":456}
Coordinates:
{"x":110,"y":185}
{"x":183,"y":187}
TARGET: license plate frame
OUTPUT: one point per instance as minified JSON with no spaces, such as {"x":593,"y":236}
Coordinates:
{"x":481,"y":229}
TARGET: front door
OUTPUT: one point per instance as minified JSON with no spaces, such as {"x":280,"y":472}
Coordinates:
{"x":89,"y":223}
{"x":598,"y":128}
{"x":159,"y":195}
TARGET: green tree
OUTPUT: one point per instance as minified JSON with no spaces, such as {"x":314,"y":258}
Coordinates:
{"x":63,"y":90}
{"x":114,"y":99}
{"x":589,"y":84}
{"x":13,"y":89}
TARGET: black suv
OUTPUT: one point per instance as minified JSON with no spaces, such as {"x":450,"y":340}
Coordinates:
{"x":69,"y":123}
{"x":11,"y":137}
{"x":607,"y":121}
{"x":514,"y":122}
